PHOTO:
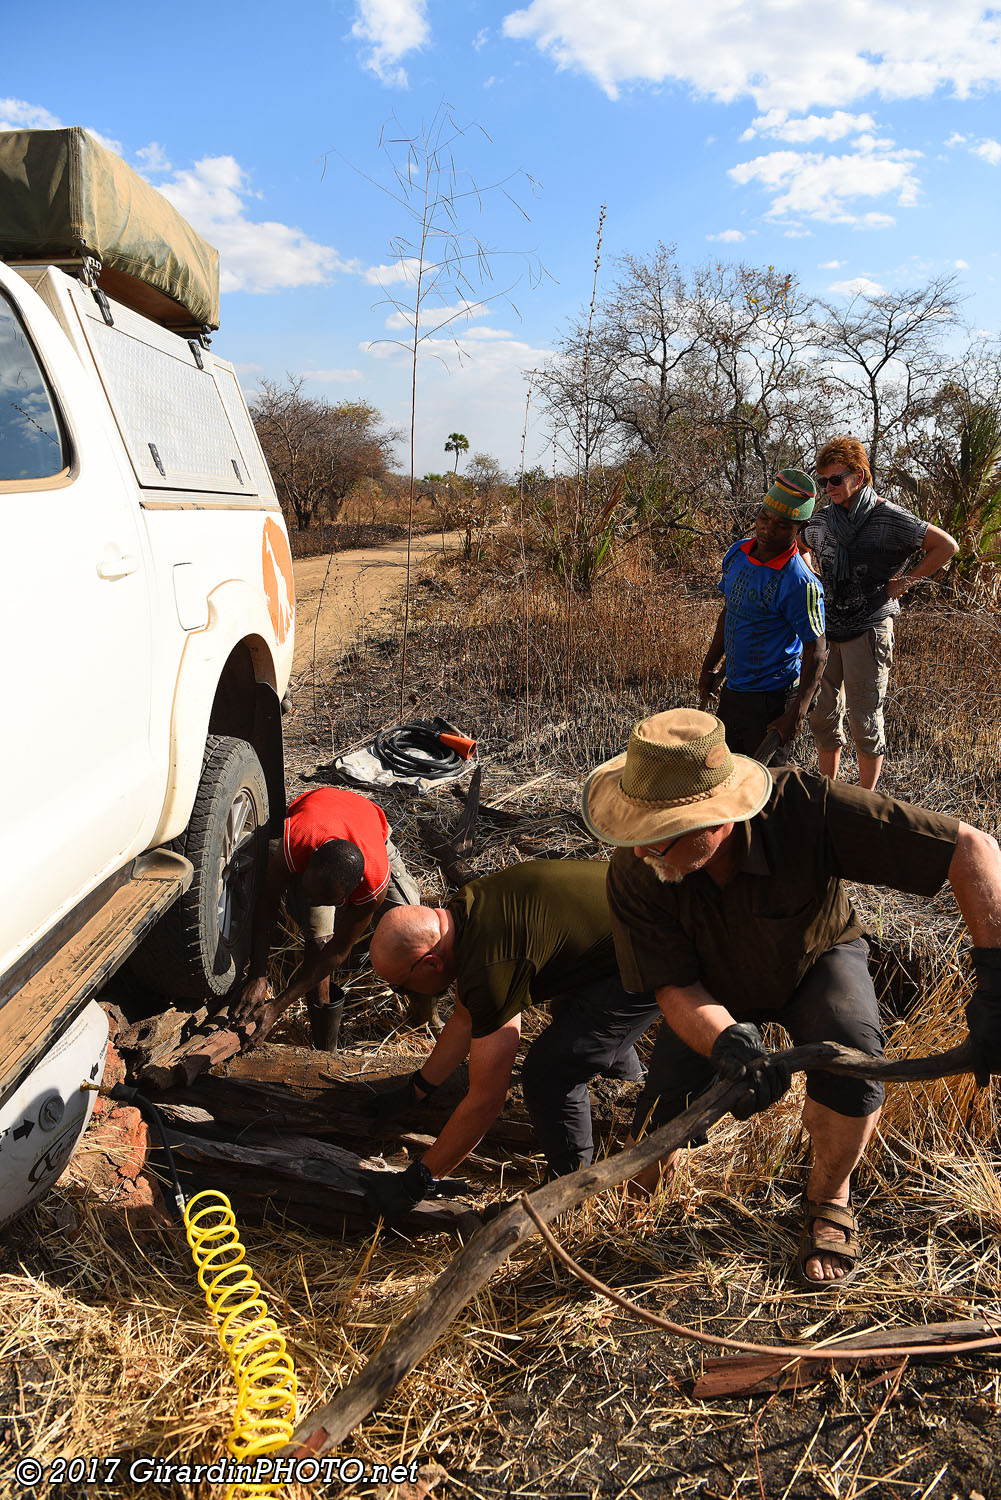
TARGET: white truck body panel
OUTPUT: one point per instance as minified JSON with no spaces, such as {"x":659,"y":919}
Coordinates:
{"x":126,"y":589}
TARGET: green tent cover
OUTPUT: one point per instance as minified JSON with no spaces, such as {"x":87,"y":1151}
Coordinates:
{"x":64,"y":194}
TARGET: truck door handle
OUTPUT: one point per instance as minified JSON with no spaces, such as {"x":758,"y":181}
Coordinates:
{"x":119,"y":566}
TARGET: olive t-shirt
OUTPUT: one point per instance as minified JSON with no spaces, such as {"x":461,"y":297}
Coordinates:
{"x":530,"y":932}
{"x":751,"y":942}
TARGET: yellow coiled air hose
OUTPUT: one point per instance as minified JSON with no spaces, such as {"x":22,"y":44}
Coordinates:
{"x":266,"y":1405}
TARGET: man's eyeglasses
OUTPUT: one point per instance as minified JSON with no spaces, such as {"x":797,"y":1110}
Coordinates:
{"x":836,"y":478}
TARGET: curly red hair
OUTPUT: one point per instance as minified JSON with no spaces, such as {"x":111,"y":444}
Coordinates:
{"x":845,"y":450}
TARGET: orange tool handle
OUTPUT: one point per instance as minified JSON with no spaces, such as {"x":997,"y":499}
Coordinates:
{"x":460,"y":743}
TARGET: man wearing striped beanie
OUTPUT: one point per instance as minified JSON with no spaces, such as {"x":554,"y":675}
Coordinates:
{"x":769,"y":638}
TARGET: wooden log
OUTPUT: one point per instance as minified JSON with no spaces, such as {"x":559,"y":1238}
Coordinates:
{"x":308,"y":1180}
{"x":201,"y":1052}
{"x":493,"y":1244}
{"x":156,"y":1038}
{"x":746,"y":1374}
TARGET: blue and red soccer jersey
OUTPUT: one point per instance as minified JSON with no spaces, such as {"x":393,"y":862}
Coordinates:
{"x":772,"y":609}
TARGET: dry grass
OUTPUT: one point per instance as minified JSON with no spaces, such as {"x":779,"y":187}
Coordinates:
{"x":542,"y":1388}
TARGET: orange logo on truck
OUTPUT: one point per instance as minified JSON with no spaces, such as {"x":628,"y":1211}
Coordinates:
{"x":276,"y":564}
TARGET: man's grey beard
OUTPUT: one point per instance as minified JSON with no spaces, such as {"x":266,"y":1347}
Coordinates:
{"x":663,"y":871}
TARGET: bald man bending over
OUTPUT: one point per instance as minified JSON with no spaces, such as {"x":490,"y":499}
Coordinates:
{"x":536,"y":932}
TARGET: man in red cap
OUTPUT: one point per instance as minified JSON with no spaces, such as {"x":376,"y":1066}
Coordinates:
{"x":334,"y":867}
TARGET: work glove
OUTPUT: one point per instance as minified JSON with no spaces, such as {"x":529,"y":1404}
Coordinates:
{"x":386,"y":1107}
{"x":392,"y":1195}
{"x":983,"y":1014}
{"x":739,"y":1053}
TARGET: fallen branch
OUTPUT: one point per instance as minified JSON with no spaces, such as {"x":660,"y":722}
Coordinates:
{"x":497,"y":1241}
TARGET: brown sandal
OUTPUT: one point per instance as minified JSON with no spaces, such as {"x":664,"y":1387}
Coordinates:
{"x":810,"y":1245}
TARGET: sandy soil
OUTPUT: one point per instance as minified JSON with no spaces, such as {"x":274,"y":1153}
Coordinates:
{"x":351,"y":592}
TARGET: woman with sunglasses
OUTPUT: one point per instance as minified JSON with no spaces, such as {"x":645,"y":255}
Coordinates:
{"x":861,"y":545}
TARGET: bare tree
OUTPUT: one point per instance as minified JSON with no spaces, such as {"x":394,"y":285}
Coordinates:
{"x":633,"y":348}
{"x":886,"y":357}
{"x":755,"y":332}
{"x":317,"y":450}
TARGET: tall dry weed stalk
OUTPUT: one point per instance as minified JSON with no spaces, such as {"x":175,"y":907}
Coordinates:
{"x":441,"y":262}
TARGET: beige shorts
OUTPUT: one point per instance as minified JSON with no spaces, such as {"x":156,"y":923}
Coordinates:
{"x":856,"y":678}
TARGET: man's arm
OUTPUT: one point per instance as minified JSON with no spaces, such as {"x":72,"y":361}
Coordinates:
{"x":322,"y":959}
{"x":938,"y":546}
{"x":975,"y":877}
{"x":693,"y":1015}
{"x":713,"y":657}
{"x":490,"y":1061}
{"x":811,"y":671}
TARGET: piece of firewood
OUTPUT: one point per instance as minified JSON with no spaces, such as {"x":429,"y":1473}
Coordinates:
{"x":745,"y":1374}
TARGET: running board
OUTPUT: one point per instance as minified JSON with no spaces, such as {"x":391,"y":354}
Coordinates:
{"x":40,"y":1011}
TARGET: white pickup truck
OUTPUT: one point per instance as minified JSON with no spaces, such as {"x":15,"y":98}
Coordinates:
{"x":148,"y":611}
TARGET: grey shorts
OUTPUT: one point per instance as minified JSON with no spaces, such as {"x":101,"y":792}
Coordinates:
{"x":856,"y":676}
{"x":836,"y":1002}
{"x":317,"y":922}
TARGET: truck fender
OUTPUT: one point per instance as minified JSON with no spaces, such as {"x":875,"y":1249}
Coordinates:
{"x":238,"y":615}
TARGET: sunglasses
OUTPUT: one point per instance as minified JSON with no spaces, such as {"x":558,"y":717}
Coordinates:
{"x":836,"y":478}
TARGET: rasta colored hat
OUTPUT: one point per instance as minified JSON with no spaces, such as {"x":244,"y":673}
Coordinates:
{"x":676,"y":776}
{"x":793,"y":495}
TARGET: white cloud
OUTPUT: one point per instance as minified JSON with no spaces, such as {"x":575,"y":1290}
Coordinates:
{"x":859,"y":286}
{"x":481,"y":38}
{"x":153,"y":158}
{"x":18,"y":114}
{"x":986,"y":148}
{"x":333,"y":377}
{"x":832,"y":265}
{"x":255,"y":255}
{"x":433,"y":318}
{"x":394,"y":28}
{"x":405,"y":269}
{"x":822,"y":187}
{"x":961,"y":265}
{"x":728,"y":236}
{"x":808,"y":127}
{"x":766,"y":50}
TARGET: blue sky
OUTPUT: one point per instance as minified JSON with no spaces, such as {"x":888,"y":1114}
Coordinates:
{"x":854,"y":142}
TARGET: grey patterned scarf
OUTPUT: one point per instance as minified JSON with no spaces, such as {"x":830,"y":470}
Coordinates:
{"x":845,"y":525}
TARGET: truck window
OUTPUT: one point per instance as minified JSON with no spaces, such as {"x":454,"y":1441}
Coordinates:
{"x":31,"y":441}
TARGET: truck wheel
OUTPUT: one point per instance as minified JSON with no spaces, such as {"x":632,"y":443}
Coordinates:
{"x":200,"y":946}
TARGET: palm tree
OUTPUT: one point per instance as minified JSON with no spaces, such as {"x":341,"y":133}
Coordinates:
{"x":457,"y":443}
{"x":962,"y":490}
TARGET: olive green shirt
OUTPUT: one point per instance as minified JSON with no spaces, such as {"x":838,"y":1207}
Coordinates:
{"x":751,"y":942}
{"x":529,"y":932}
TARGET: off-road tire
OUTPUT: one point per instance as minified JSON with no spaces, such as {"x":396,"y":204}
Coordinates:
{"x":200,"y":946}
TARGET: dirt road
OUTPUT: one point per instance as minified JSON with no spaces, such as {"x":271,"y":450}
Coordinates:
{"x":359,"y":590}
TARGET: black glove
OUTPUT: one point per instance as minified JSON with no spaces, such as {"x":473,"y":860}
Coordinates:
{"x":983,"y":1013}
{"x":392,"y":1195}
{"x":384,"y":1108}
{"x":739,"y":1053}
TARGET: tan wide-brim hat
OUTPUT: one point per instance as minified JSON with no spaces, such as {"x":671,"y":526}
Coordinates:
{"x":676,"y":776}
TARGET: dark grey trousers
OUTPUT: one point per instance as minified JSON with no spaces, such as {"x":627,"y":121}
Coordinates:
{"x":836,"y":1002}
{"x":592,"y":1032}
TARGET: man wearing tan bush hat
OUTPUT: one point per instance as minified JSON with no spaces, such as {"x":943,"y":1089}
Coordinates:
{"x":726,"y":896}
